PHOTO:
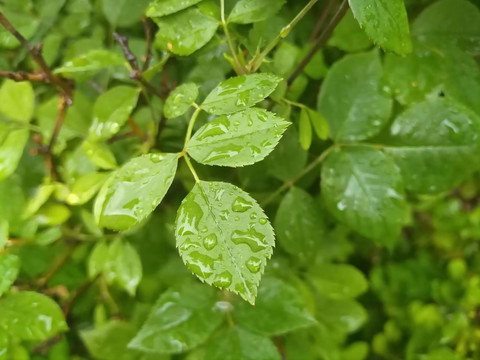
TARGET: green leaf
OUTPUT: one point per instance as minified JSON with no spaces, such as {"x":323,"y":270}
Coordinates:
{"x":351,"y":100}
{"x":453,"y":21}
{"x":112,"y":110}
{"x":299,"y":225}
{"x":92,"y":61}
{"x":9,"y":267}
{"x":338,"y":281}
{"x":159,"y":8}
{"x":180,"y":320}
{"x":341,"y":316}
{"x":363,"y":189}
{"x":135,"y":190}
{"x":348,"y":36}
{"x":124,"y":12}
{"x":4,"y":345}
{"x":279,"y":309}
{"x":250,"y":11}
{"x":243,"y":138}
{"x":224,"y":237}
{"x":237,"y":344}
{"x":109,"y":341}
{"x":24,"y":23}
{"x":180,"y":100}
{"x":385,"y":22}
{"x":435,"y":155}
{"x":31,"y":316}
{"x":85,"y":188}
{"x":17,"y":105}
{"x":239,"y":93}
{"x":320,"y":124}
{"x":99,"y":154}
{"x":185,"y":32}
{"x":305,"y":129}
{"x":3,"y":232}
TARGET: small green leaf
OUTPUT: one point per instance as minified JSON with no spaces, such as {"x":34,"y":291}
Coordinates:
{"x":299,"y":225}
{"x":250,"y":11}
{"x":109,"y":341}
{"x":385,"y":22}
{"x":84,"y":188}
{"x":348,"y":36}
{"x":237,"y":344}
{"x":159,"y":8}
{"x":180,"y":100}
{"x":31,"y":316}
{"x":24,"y":23}
{"x":111,"y":111}
{"x":123,"y":266}
{"x":3,"y":232}
{"x":435,"y":155}
{"x":99,"y":154}
{"x":341,"y":316}
{"x":124,"y":12}
{"x":239,"y":93}
{"x":363,"y":189}
{"x":181,"y":320}
{"x":320,"y":124}
{"x":279,"y":309}
{"x":305,"y":129}
{"x":243,"y":138}
{"x":18,"y":100}
{"x":92,"y":61}
{"x":351,"y":99}
{"x":338,"y":281}
{"x":9,"y":267}
{"x":135,"y":190}
{"x":224,"y":237}
{"x":4,"y":345}
{"x":185,"y":32}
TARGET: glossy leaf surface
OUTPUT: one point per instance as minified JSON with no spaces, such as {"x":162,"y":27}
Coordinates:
{"x":31,"y":316}
{"x":351,"y":99}
{"x":224,"y":237}
{"x":437,"y":154}
{"x":180,"y":100}
{"x":363,"y":188}
{"x":243,"y":138}
{"x":239,"y":93}
{"x":385,"y":22}
{"x":9,"y":268}
{"x":167,"y":7}
{"x":180,"y":320}
{"x":185,"y":32}
{"x":250,"y":11}
{"x":135,"y":190}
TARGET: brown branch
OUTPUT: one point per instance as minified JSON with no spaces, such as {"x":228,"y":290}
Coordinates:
{"x":136,"y":73}
{"x":320,"y":42}
{"x":321,"y":21}
{"x":24,"y":76}
{"x":148,"y":35}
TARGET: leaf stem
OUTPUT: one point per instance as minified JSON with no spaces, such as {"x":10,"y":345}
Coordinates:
{"x":293,"y":181}
{"x":257,"y":61}
{"x":192,"y":169}
{"x":191,"y":124}
{"x":239,"y":69}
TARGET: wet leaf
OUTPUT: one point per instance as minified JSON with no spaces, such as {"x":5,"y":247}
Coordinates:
{"x":111,"y":111}
{"x":299,"y":225}
{"x":363,"y":189}
{"x":135,"y":190}
{"x":9,"y":267}
{"x":159,"y":8}
{"x":385,"y":22}
{"x":351,"y":100}
{"x":435,"y":155}
{"x":250,"y":11}
{"x":237,"y":344}
{"x":99,"y":154}
{"x":180,"y":100}
{"x":92,"y":61}
{"x":239,"y":93}
{"x":180,"y":320}
{"x":279,"y":309}
{"x":31,"y":316}
{"x":224,"y":237}
{"x":243,"y":138}
{"x":185,"y":32}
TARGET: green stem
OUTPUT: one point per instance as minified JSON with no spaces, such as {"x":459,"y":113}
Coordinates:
{"x":192,"y":169}
{"x":257,"y":61}
{"x":294,"y":103}
{"x":191,"y":124}
{"x":238,"y":65}
{"x":293,"y":181}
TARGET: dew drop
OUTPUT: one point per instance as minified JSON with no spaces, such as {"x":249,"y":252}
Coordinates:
{"x":223,"y":280}
{"x":254,"y":264}
{"x":210,"y":241}
{"x":263,"y":221}
{"x":241,"y":205}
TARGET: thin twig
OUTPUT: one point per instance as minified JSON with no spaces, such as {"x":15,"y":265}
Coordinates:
{"x":320,"y":42}
{"x":67,"y":307}
{"x":19,"y":76}
{"x":148,"y":36}
{"x":321,"y":21}
{"x":56,"y":266}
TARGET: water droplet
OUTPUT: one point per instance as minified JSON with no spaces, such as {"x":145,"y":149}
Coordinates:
{"x":237,"y":218}
{"x":188,"y":244}
{"x":252,"y":238}
{"x":263,"y":221}
{"x":254,"y":264}
{"x":223,"y":280}
{"x":253,"y":216}
{"x":210,"y":241}
{"x":241,"y":205}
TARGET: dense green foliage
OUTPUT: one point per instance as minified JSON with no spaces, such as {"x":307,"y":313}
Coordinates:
{"x":313,"y":163}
